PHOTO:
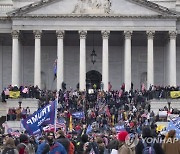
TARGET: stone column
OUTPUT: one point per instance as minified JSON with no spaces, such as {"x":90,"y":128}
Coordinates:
{"x":60,"y":59}
{"x":15,"y":58}
{"x":37,"y":59}
{"x":150,"y":58}
{"x":127,"y":60}
{"x":105,"y":59}
{"x":82,"y":65}
{"x":172,"y":58}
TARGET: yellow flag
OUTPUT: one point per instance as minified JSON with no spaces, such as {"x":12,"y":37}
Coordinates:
{"x":175,"y":94}
{"x":113,"y":119}
{"x":14,"y":94}
{"x":70,"y":123}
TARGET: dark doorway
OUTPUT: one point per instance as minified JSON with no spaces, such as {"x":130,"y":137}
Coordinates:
{"x":93,"y":77}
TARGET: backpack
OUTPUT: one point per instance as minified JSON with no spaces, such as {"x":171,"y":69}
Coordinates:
{"x":28,"y":149}
{"x":148,"y":149}
{"x":94,"y":148}
{"x":71,"y":148}
{"x":11,"y":151}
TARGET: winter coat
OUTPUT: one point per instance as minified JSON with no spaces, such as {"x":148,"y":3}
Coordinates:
{"x":157,"y":147}
{"x":125,"y":149}
{"x":64,"y":141}
{"x":57,"y":148}
{"x":171,"y":148}
{"x":41,"y":148}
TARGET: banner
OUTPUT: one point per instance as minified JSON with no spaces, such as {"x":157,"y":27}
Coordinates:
{"x":175,"y":94}
{"x":14,"y":94}
{"x":34,"y":123}
{"x":78,"y":115}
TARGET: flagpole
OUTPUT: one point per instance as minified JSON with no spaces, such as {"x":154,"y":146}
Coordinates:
{"x":55,"y":119}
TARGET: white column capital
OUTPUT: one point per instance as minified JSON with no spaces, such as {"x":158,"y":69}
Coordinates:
{"x":105,"y":34}
{"x":60,"y":58}
{"x":83,"y":34}
{"x":172,"y":34}
{"x":37,"y":34}
{"x":60,"y":34}
{"x":128,"y":34}
{"x":15,"y":34}
{"x":150,"y":34}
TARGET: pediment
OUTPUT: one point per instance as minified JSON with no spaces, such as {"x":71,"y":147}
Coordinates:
{"x":92,"y":7}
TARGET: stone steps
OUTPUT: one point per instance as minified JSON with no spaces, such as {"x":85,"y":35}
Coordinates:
{"x":29,"y":102}
{"x":158,"y":104}
{"x":13,"y":125}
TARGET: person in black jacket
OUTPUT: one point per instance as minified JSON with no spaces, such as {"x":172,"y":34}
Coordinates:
{"x":63,"y":140}
{"x":146,"y":133}
{"x":80,"y":145}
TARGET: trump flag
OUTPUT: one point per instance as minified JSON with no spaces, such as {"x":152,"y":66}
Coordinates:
{"x":44,"y":116}
{"x":78,"y":115}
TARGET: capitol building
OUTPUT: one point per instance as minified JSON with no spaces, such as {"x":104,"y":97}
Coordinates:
{"x":116,"y":41}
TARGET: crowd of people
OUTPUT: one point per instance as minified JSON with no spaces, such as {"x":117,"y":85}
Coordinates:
{"x":110,"y":142}
{"x":109,"y":117}
{"x":153,"y":92}
{"x":18,"y":113}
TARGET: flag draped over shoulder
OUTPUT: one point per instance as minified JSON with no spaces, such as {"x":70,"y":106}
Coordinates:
{"x":174,"y":124}
{"x":34,"y":123}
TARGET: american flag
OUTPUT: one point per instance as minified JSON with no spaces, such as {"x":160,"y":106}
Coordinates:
{"x":50,"y":127}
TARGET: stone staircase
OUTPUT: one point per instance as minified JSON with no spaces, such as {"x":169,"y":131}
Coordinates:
{"x":28,"y":102}
{"x":12,"y":126}
{"x":16,"y":125}
{"x":161,"y":103}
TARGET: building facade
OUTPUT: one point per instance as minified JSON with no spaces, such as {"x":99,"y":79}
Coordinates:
{"x":135,"y":41}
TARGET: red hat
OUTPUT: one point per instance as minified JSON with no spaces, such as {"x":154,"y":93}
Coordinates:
{"x":69,"y":136}
{"x":122,"y":135}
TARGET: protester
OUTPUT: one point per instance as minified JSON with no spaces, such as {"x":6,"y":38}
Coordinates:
{"x":43,"y":146}
{"x":144,"y":146}
{"x":80,"y":145}
{"x":124,"y":148}
{"x":171,"y":145}
{"x":64,"y":141}
{"x":96,"y":122}
{"x":55,"y":147}
{"x":9,"y":147}
{"x":24,"y":147}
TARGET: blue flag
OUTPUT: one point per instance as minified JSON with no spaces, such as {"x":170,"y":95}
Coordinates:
{"x":89,"y":129}
{"x":119,"y":128}
{"x":174,"y":124}
{"x":78,"y":115}
{"x":34,"y":123}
